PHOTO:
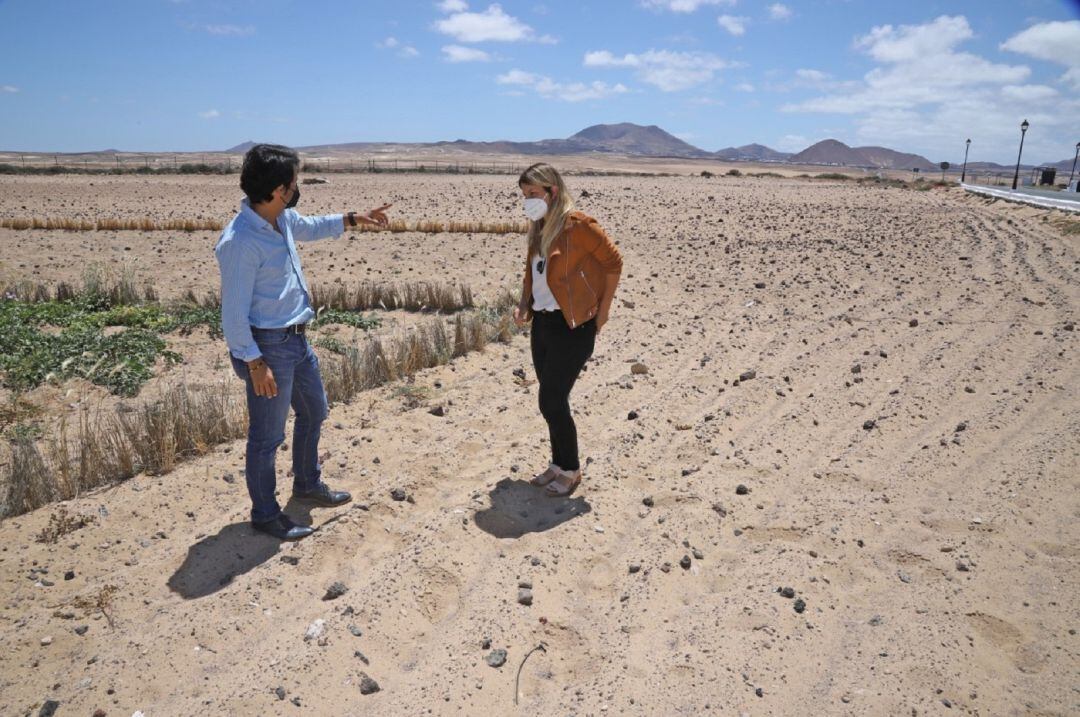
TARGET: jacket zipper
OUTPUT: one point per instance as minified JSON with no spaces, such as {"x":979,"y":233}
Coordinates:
{"x":586,"y":280}
{"x":569,"y":292}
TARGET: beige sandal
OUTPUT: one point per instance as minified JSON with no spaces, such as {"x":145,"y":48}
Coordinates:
{"x":559,"y":490}
{"x":547,"y":476}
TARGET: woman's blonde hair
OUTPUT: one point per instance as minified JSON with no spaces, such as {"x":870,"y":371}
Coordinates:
{"x":544,"y":231}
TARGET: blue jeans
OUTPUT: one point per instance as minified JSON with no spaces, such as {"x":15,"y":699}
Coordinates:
{"x":299,"y":384}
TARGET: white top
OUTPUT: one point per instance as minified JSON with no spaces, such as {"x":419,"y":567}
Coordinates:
{"x":543,"y":299}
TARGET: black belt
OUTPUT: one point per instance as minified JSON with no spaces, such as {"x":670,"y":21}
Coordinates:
{"x":299,"y":329}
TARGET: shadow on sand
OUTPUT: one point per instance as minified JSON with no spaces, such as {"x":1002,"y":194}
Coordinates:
{"x":214,"y":561}
{"x":518,"y":508}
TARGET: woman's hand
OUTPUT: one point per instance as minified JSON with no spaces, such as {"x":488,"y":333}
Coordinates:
{"x":601,"y":319}
{"x":520,"y":315}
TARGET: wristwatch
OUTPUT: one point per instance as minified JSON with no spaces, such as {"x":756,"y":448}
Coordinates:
{"x":352,"y":218}
{"x":255,"y":364}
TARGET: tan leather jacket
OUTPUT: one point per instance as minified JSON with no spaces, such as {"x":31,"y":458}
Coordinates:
{"x":577,"y":269}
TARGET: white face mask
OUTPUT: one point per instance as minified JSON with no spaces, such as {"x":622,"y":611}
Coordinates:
{"x":535,"y":208}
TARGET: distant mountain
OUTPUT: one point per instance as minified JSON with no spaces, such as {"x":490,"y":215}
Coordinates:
{"x":834,"y":152}
{"x":752,"y":153}
{"x":242,"y":147}
{"x":627,"y":138}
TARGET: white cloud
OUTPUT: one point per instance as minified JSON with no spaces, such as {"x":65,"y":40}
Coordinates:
{"x":1072,"y":77}
{"x":925,"y":91}
{"x":403,"y":50}
{"x":811,"y":76}
{"x":9,"y":88}
{"x":744,"y":87}
{"x":669,"y":71}
{"x":453,"y":6}
{"x":683,"y":5}
{"x":210,"y":114}
{"x":457,"y":53}
{"x":230,"y":30}
{"x":779,"y":11}
{"x":791,"y":143}
{"x":568,"y":91}
{"x":492,"y":25}
{"x":734,"y":25}
{"x":1057,"y":42}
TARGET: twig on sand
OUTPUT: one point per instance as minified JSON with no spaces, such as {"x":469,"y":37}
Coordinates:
{"x":517,"y":680}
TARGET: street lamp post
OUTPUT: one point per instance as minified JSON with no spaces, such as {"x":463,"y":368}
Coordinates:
{"x":963,"y":175}
{"x":1074,"y":162}
{"x":1023,"y":130}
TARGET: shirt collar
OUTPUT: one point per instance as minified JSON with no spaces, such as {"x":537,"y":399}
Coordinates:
{"x":252,"y":216}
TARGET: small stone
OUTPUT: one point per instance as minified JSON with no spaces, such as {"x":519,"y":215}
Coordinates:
{"x":962,"y":426}
{"x":280,"y":692}
{"x":904,"y":577}
{"x":355,"y":631}
{"x":398,"y":494}
{"x":639,"y":369}
{"x":787,"y":592}
{"x":438,"y":411}
{"x":525,"y":596}
{"x":49,"y":708}
{"x":947,"y":703}
{"x":869,"y":424}
{"x":800,"y":605}
{"x":684,"y":563}
{"x":229,"y":478}
{"x":47,"y":640}
{"x":360,"y":656}
{"x":632,"y":416}
{"x":647,"y":501}
{"x":698,"y":555}
{"x":485,"y":644}
{"x":969,"y":389}
{"x":635,"y":567}
{"x":81,"y":629}
{"x":747,"y":375}
{"x":962,"y":567}
{"x":913,"y":323}
{"x":367,"y":685}
{"x":857,"y":368}
{"x":759,"y":284}
{"x":290,"y":559}
{"x":759,"y":692}
{"x":315,"y":630}
{"x":665,"y":568}
{"x":741,"y":489}
{"x":336,"y":590}
{"x":876,"y":620}
{"x":496,"y":658}
{"x":69,"y":575}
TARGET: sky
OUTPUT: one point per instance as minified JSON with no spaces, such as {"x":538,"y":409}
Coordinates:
{"x":201,"y":75}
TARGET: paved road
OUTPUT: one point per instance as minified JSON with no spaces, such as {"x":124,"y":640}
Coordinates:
{"x":1069,"y":201}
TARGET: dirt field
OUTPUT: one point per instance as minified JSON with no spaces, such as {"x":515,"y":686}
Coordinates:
{"x":909,"y":445}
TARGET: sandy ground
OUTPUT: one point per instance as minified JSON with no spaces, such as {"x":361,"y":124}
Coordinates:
{"x":909,"y":446}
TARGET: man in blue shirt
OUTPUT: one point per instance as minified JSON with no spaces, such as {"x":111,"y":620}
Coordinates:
{"x":265,"y":309}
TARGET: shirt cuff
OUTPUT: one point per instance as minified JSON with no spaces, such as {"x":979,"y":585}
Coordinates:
{"x":247,"y":355}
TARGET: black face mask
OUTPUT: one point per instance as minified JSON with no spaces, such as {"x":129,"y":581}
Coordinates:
{"x":294,"y":200}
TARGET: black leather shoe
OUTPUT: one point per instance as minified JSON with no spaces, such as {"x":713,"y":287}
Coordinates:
{"x":323,"y":496}
{"x":283,"y":528}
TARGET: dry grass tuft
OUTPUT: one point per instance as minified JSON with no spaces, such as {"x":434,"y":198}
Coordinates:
{"x":100,"y":601}
{"x":147,"y":224}
{"x":411,"y":296}
{"x":62,"y":523}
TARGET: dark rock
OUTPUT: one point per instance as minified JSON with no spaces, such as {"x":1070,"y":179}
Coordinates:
{"x":800,"y":605}
{"x":635,"y":567}
{"x":787,"y":592}
{"x":335,"y":591}
{"x":367,"y":685}
{"x":69,"y":575}
{"x":741,"y":489}
{"x":361,"y":656}
{"x":525,"y":596}
{"x":632,"y":416}
{"x":398,"y":494}
{"x":685,"y":562}
{"x":747,"y":375}
{"x":962,"y":426}
{"x":496,"y":658}
{"x":280,"y":692}
{"x":290,"y":559}
{"x":519,"y":373}
{"x":648,"y":501}
{"x":49,"y":708}
{"x":438,"y":411}
{"x":868,"y":425}
{"x":857,"y":368}
{"x":665,"y":568}
{"x":81,"y":629}
{"x":913,"y":323}
{"x":759,"y":692}
{"x":719,"y":509}
{"x":759,"y":284}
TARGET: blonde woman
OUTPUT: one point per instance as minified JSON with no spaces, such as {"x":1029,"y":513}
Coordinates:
{"x":571,"y":271}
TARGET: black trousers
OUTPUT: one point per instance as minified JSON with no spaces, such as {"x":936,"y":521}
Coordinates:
{"x":559,"y":353}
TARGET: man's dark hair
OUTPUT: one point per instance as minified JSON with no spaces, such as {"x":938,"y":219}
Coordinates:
{"x":267,"y":167}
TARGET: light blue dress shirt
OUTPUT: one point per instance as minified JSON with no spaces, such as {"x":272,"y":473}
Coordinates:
{"x":262,"y":284}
